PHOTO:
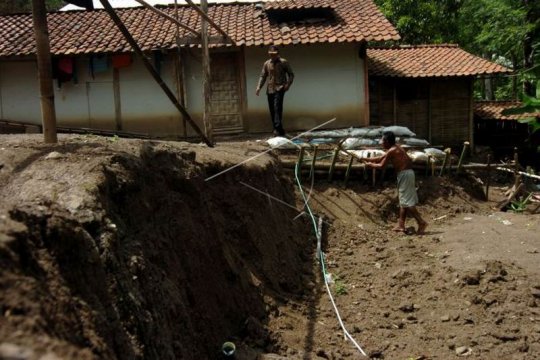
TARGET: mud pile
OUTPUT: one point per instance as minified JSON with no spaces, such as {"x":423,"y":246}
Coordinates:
{"x":121,"y":249}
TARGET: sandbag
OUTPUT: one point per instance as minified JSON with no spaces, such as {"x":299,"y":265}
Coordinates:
{"x":435,"y":153}
{"x":353,"y":143}
{"x":418,"y":157}
{"x":366,"y":154}
{"x":280,"y":142}
{"x":415,"y":142}
{"x":399,"y":130}
{"x":366,"y":132}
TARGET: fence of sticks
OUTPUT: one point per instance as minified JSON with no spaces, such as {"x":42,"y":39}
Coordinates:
{"x":335,"y":160}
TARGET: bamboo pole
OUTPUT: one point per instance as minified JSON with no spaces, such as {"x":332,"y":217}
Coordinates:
{"x":488,"y":180}
{"x":446,"y":157}
{"x":208,"y":128}
{"x":312,"y":170}
{"x":465,"y":146}
{"x":516,"y":167}
{"x":333,"y":164}
{"x":518,"y":173}
{"x":300,"y":160}
{"x":43,"y":52}
{"x":116,"y":19}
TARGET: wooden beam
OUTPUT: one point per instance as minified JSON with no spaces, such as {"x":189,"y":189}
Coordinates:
{"x":204,"y":15}
{"x":117,"y":100}
{"x":116,"y":19}
{"x":46,"y":90}
{"x":168,"y":17}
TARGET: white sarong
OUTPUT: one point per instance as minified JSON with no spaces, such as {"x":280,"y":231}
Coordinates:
{"x":407,"y":188}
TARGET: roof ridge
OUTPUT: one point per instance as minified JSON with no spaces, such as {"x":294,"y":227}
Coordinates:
{"x":413,"y":46}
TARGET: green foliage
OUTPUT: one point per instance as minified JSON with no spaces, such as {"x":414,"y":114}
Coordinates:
{"x":341,"y":288}
{"x":519,"y":206}
{"x":422,"y":21}
{"x":497,"y":30}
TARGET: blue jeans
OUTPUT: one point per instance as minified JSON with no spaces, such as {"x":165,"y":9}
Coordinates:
{"x":275,"y":104}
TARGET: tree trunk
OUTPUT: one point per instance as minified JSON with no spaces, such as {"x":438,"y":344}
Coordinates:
{"x":529,"y":88}
{"x":48,"y":113}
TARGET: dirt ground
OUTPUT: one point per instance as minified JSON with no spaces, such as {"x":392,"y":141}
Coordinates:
{"x":119,"y":249}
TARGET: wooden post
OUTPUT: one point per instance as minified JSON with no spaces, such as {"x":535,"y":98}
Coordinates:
{"x":334,"y":159}
{"x":117,"y":100}
{"x":488,"y":180}
{"x":428,"y":165}
{"x":465,"y":145}
{"x":348,"y":171}
{"x":300,"y":160}
{"x":446,"y":157}
{"x":394,"y":102}
{"x":516,"y":167}
{"x":46,"y":90}
{"x":312,"y":171}
{"x":136,"y":48}
{"x":206,"y":73}
{"x":373,"y":176}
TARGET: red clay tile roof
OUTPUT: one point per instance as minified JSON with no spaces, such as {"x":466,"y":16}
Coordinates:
{"x":428,"y":61}
{"x":298,"y":4}
{"x":80,"y":32}
{"x":492,"y":110}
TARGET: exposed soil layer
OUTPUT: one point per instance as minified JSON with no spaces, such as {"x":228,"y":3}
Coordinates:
{"x":119,"y":249}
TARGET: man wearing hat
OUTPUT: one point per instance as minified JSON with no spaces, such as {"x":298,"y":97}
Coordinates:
{"x":280,"y":77}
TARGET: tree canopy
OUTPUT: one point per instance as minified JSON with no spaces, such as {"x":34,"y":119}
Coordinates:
{"x":506,"y":31}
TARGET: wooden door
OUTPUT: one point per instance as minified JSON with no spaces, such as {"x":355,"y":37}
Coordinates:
{"x":225,"y":101}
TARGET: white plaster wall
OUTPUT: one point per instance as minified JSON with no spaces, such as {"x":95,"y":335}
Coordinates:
{"x":87,"y":101}
{"x":145,"y":107}
{"x":19,"y":91}
{"x":329,"y":82}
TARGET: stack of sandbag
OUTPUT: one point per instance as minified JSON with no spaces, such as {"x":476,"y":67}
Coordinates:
{"x":280,"y":142}
{"x":365,"y":154}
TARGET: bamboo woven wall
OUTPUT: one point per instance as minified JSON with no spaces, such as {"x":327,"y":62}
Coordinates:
{"x":411,"y":102}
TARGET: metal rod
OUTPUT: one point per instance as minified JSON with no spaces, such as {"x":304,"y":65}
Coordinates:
{"x":116,"y":19}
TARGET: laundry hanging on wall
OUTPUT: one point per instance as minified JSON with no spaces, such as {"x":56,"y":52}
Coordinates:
{"x":98,"y":64}
{"x":64,"y":70}
{"x":121,"y":60}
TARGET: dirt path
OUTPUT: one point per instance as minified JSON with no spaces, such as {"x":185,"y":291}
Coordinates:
{"x":469,"y":287}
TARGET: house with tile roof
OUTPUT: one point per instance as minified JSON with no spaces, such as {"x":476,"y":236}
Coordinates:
{"x":499,"y":131}
{"x":428,"y":88}
{"x":100,"y":85}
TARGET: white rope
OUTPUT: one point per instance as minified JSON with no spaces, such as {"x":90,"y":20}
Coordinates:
{"x":318,"y":234}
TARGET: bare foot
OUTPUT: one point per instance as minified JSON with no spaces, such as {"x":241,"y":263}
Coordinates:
{"x":422,"y":228}
{"x":398,"y":228}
